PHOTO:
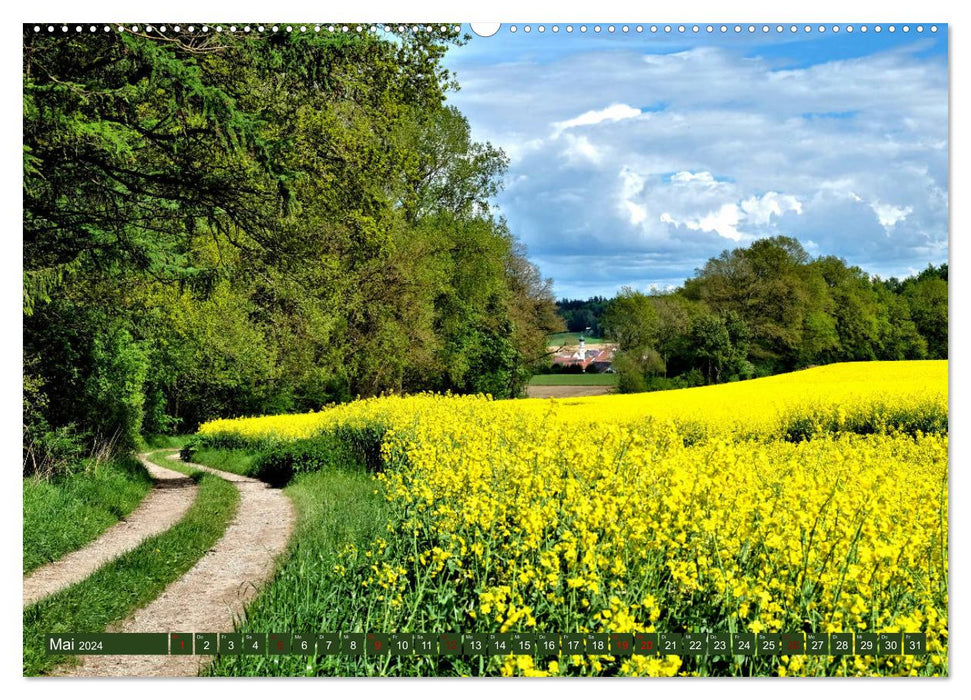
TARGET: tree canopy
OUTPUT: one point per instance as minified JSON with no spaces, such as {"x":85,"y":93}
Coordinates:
{"x":769,"y":308}
{"x":225,"y":224}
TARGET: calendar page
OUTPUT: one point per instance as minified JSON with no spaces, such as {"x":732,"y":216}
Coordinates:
{"x":441,"y":349}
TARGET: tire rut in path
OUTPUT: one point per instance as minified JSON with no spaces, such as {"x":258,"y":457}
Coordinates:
{"x":212,"y":594}
{"x":164,"y":506}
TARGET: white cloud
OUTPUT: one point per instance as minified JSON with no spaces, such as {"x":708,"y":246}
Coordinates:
{"x":636,"y":212}
{"x":760,"y":210}
{"x":889,"y":215}
{"x":631,"y":187}
{"x":613,"y":113}
{"x":723,"y":221}
{"x":632,"y":183}
{"x":579,"y":149}
{"x":704,"y":178}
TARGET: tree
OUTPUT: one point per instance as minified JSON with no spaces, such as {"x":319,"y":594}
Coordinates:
{"x":927,"y":299}
{"x":719,"y":345}
{"x":898,"y":338}
{"x":453,"y":173}
{"x":631,"y":320}
{"x":712,"y":346}
{"x":855,"y":309}
{"x":673,"y":323}
{"x":767,"y":286}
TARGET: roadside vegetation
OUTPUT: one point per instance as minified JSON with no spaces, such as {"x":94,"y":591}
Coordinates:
{"x":240,"y":462}
{"x":66,"y":512}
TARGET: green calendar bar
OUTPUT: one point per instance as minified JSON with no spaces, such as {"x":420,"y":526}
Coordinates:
{"x":538,"y":644}
{"x":148,"y":644}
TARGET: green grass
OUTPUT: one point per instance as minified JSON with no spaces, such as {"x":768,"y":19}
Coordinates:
{"x":117,"y":589}
{"x":239,"y":462}
{"x":604,"y":379}
{"x":571,"y":339}
{"x":64,"y":514}
{"x":157,"y":442}
{"x":336,"y":509}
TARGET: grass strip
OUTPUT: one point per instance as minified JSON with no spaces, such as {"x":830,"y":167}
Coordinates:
{"x":569,"y":379}
{"x":572,"y":339}
{"x":136,"y":578}
{"x":240,"y":462}
{"x":65,"y":514}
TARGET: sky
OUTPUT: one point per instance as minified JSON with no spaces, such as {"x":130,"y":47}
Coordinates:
{"x":636,"y":157}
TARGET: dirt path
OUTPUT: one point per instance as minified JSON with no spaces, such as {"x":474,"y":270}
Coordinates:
{"x":164,"y":505}
{"x":564,"y":392}
{"x":213,"y":593}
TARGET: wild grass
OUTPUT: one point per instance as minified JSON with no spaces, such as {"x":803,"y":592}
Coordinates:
{"x":67,"y":512}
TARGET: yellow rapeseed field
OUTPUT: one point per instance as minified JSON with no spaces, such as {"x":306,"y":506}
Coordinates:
{"x":791,"y":503}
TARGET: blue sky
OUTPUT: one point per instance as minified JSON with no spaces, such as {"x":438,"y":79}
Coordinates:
{"x":636,"y":157}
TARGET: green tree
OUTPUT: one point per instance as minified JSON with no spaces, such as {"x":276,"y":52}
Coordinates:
{"x":117,"y":386}
{"x":719,"y":346}
{"x":631,"y":320}
{"x":927,"y":299}
{"x":855,"y":309}
{"x":673,"y":323}
{"x":899,"y":338}
{"x":767,"y":286}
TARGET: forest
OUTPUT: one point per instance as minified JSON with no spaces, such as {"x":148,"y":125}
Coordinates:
{"x":226,"y":224}
{"x":765,"y":309}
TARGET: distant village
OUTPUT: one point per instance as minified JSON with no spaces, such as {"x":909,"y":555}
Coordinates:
{"x":594,"y":358}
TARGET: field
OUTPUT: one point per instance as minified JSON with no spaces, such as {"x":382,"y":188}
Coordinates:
{"x":813,"y":501}
{"x":592,"y":379}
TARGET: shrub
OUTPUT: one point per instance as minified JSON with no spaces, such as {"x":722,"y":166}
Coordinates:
{"x":54,"y":453}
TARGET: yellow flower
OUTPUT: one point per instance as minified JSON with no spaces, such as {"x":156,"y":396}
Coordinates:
{"x":818,"y":496}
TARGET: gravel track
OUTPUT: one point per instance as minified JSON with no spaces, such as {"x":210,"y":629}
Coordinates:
{"x":212,"y":595}
{"x":164,"y":505}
